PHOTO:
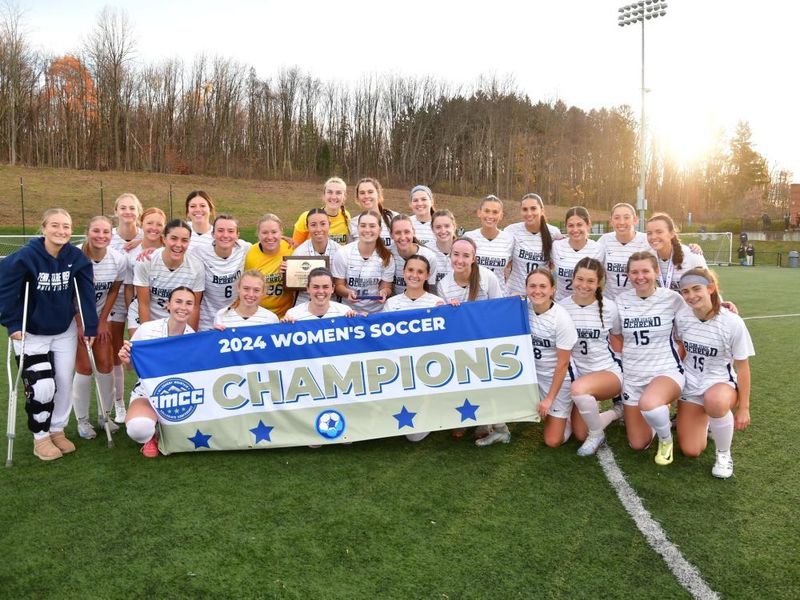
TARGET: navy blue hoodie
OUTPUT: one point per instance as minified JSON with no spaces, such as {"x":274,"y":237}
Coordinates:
{"x":51,"y":303}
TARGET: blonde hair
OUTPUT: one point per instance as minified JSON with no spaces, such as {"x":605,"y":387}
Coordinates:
{"x":51,"y":212}
{"x":128,"y":196}
{"x":85,"y":246}
{"x":269,"y":217}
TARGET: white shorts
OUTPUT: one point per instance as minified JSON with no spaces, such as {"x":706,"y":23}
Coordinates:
{"x":118,"y":313}
{"x":696,"y":396}
{"x":631,"y":392}
{"x":562,"y":404}
{"x":133,"y":315}
{"x":616,"y":372}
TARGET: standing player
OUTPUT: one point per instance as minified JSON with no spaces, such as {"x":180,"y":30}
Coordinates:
{"x":443,"y":224}
{"x":369,"y":195}
{"x":674,"y":258}
{"x":617,"y":246}
{"x":267,"y":256}
{"x":494,"y":245}
{"x":319,"y":290}
{"x":141,"y":420}
{"x":334,"y":195}
{"x":714,"y":338}
{"x":224,"y":262}
{"x":109,"y":270}
{"x":363,"y":271}
{"x":553,"y":335}
{"x":406,"y":245}
{"x":318,"y":225}
{"x":468,"y":282}
{"x":422,"y":206}
{"x":48,"y":266}
{"x":577,"y":245}
{"x":533,"y":242}
{"x":653,"y":371}
{"x":416,"y":277}
{"x":200,"y":212}
{"x":125,"y":237}
{"x":168,"y":268}
{"x":245,"y":310}
{"x":598,"y":372}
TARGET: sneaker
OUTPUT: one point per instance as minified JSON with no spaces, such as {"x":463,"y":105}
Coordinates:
{"x":591,"y":444}
{"x":45,"y":449}
{"x":723,"y":466}
{"x":119,"y":411}
{"x":61,"y":442}
{"x":664,"y":453}
{"x":496,"y":436}
{"x":85,"y":429}
{"x":101,"y":424}
{"x":481,"y":431}
{"x":150,"y":448}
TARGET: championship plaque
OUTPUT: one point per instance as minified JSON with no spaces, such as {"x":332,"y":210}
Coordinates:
{"x":298,"y":268}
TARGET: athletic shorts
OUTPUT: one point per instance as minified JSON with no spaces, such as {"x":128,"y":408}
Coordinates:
{"x":118,"y":313}
{"x":616,"y":372}
{"x":133,"y":315}
{"x":696,"y":396}
{"x":562,"y":404}
{"x":631,"y":392}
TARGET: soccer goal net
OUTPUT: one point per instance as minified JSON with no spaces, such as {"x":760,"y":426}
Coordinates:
{"x":717,"y":247}
{"x":12,"y":243}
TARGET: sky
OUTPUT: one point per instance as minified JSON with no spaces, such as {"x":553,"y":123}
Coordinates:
{"x":709,"y":63}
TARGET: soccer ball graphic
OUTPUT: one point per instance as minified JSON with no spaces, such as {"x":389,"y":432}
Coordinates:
{"x":330,"y":424}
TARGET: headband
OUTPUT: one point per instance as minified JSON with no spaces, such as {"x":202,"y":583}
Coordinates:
{"x":422,"y":188}
{"x":693,"y":279}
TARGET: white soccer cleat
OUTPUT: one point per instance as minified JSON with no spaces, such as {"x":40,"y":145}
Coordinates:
{"x":112,"y":427}
{"x":723,"y":466}
{"x":591,"y":444}
{"x":119,"y":411}
{"x":494,"y":437}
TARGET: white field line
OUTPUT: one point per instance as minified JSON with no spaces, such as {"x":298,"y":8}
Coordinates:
{"x":687,"y":574}
{"x":772,"y":316}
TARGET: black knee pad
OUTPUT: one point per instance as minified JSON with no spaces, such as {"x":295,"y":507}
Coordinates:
{"x":38,"y":377}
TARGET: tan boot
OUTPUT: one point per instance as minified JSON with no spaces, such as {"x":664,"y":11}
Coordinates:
{"x":61,"y":442}
{"x":45,"y":449}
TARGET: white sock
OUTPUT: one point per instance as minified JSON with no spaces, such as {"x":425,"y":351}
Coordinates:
{"x":590,"y":413}
{"x":140,"y":429}
{"x":119,"y":382}
{"x":658,"y":419}
{"x":722,"y":431}
{"x":81,"y":394}
{"x":106,"y":383}
{"x":567,"y":429}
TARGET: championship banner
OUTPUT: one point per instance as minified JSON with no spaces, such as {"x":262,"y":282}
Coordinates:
{"x":342,"y":380}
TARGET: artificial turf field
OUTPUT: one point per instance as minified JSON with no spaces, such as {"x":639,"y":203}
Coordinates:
{"x":438,"y":519}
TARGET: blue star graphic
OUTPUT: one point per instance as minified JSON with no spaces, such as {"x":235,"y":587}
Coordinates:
{"x":262,"y":431}
{"x":405,"y":418}
{"x":468,"y":410}
{"x":199,"y":440}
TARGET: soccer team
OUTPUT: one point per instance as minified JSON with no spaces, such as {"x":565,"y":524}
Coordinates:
{"x":635,"y":318}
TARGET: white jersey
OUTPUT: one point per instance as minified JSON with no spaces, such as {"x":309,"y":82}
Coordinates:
{"x":443,"y":264}
{"x":400,"y":265}
{"x":615,"y":260}
{"x":711,"y":347}
{"x":111,"y":268}
{"x":527,"y":255}
{"x":494,"y":254}
{"x":403,"y":302}
{"x":448,"y":289}
{"x":386,"y":235}
{"x":363,"y":276}
{"x":222,"y":275}
{"x":152,"y":330}
{"x":200,"y":240}
{"x":649,"y":349}
{"x":307,"y":249}
{"x":228,"y":317}
{"x":593,"y":353}
{"x":423,"y":231}
{"x":565,"y":257}
{"x":161,"y":280}
{"x":301,"y":312}
{"x":119,"y":311}
{"x":551,"y":331}
{"x":670,"y":275}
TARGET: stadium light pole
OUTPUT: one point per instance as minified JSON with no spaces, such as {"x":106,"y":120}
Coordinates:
{"x":630,"y":14}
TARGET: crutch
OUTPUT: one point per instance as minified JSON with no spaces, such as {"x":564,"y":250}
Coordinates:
{"x":12,"y":397}
{"x":94,"y":372}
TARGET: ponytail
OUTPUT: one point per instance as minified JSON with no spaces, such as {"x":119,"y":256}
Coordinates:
{"x":547,"y":239}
